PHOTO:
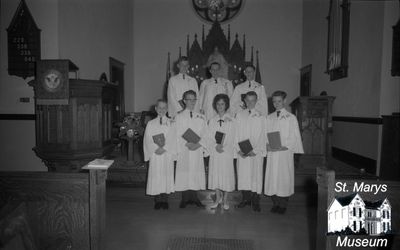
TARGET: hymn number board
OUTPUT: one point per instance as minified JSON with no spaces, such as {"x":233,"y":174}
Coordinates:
{"x":23,"y":43}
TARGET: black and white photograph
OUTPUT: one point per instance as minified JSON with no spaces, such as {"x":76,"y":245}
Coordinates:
{"x":199,"y":124}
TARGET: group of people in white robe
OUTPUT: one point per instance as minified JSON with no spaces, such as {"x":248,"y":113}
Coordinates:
{"x":239,"y":114}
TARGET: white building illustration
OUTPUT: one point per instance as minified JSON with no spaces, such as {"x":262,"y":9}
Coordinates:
{"x":353,"y":212}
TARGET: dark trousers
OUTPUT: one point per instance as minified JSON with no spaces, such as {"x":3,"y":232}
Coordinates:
{"x":280,"y":201}
{"x":161,"y":198}
{"x":189,"y":196}
{"x":253,"y":197}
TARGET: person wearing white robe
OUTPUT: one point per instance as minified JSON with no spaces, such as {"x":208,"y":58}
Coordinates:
{"x":211,"y":87}
{"x":237,"y":104}
{"x":279,"y":174}
{"x":160,"y":181}
{"x":190,"y":172}
{"x":179,"y":84}
{"x":221,"y":175}
{"x":250,"y":125}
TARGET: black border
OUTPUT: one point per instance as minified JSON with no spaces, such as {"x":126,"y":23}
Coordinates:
{"x":19,"y":117}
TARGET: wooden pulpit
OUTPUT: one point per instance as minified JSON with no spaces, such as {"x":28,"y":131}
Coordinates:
{"x":314,"y":114}
{"x":73,"y":117}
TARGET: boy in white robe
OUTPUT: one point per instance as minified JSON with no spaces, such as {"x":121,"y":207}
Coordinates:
{"x":279,"y":174}
{"x":211,"y":87}
{"x":250,"y":125}
{"x":190,"y":172}
{"x":160,"y":151}
{"x":177,"y":85}
{"x":238,"y":104}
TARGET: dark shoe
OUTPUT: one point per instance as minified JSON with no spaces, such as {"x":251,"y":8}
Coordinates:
{"x":183,"y":204}
{"x":165,"y":205}
{"x":256,"y":207}
{"x":198,"y":204}
{"x":281,"y":210}
{"x":274,"y":209}
{"x":157,"y":206}
{"x":243,"y":204}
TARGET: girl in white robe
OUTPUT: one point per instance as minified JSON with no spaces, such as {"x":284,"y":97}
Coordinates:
{"x":250,"y":125}
{"x":279,"y":174}
{"x":221,"y":175}
{"x":160,"y":181}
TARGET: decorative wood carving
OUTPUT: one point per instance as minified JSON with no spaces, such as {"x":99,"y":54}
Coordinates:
{"x":75,"y":131}
{"x":216,"y":46}
{"x":314,"y":115}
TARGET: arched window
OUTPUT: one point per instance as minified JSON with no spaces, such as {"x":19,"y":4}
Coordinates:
{"x":338,"y":39}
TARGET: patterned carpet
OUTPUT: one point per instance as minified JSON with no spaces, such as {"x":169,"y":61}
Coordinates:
{"x":194,"y":243}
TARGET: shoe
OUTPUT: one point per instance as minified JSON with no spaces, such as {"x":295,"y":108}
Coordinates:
{"x":165,"y":205}
{"x":225,"y":206}
{"x":198,"y":204}
{"x":274,"y":209}
{"x":281,"y":210}
{"x":157,"y":206}
{"x":256,"y":207}
{"x":243,"y":204}
{"x":183,"y":204}
{"x":214,"y":205}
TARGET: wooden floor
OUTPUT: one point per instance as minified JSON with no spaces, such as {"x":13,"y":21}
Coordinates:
{"x":132,"y":223}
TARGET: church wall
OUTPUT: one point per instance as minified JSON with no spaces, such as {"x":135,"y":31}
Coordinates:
{"x":390,"y":86}
{"x":273,"y":27}
{"x":91,"y":31}
{"x":18,"y":137}
{"x":88,"y":33}
{"x":360,"y":94}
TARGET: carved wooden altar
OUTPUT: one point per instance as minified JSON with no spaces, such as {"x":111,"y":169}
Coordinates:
{"x":216,"y":46}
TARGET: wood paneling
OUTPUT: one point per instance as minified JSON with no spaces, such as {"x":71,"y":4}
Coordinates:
{"x":68,"y":205}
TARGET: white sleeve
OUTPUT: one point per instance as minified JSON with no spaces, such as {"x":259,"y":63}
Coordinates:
{"x":149,"y":147}
{"x":173,"y":104}
{"x":294,"y":142}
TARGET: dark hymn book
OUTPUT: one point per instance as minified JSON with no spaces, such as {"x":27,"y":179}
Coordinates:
{"x":219,"y":137}
{"x":191,"y":136}
{"x":274,"y":139}
{"x":159,"y":139}
{"x":245,"y":146}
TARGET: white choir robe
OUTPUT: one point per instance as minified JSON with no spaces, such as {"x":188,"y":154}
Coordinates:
{"x":243,"y":88}
{"x":190,"y":173}
{"x":251,"y":125}
{"x":161,"y":167}
{"x":279,"y":174}
{"x":209,"y":89}
{"x":176,"y":87}
{"x":221,"y":173}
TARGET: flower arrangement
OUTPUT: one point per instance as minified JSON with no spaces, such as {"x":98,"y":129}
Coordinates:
{"x":131,"y":127}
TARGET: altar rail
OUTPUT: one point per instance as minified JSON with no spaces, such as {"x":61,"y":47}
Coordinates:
{"x":326,"y":180}
{"x":60,"y":205}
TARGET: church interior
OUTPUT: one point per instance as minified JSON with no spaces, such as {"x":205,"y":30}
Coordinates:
{"x":337,"y":60}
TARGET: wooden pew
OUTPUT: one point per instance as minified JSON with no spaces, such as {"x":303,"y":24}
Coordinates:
{"x":326,"y":180}
{"x":70,"y":206}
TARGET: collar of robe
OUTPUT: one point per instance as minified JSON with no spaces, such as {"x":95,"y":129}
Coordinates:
{"x":282,"y":115}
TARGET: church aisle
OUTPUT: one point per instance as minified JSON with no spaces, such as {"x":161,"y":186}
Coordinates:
{"x":132,"y":223}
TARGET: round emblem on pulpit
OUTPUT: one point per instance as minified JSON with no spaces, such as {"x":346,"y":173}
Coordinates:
{"x":52,"y":80}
